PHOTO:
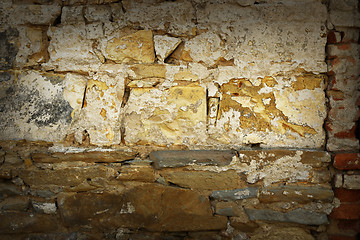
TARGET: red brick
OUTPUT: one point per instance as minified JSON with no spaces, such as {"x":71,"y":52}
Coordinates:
{"x":343,"y":237}
{"x":346,"y":211}
{"x":333,"y":37}
{"x":346,"y":134}
{"x":344,"y":46}
{"x":353,"y":225}
{"x":347,"y":161}
{"x":347,"y":195}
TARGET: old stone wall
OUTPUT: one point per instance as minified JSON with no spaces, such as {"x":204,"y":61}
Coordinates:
{"x":342,"y":124}
{"x":185,"y":119}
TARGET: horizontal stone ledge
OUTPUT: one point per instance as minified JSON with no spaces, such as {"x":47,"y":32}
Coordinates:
{"x":236,"y":194}
{"x":171,"y":159}
{"x":300,"y":194}
{"x":86,"y":156}
{"x":220,"y":158}
{"x":299,"y":215}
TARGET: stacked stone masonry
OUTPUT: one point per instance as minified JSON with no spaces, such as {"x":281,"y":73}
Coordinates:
{"x":186,"y":119}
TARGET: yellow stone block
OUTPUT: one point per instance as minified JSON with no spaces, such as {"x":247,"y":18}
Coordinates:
{"x":141,"y":71}
{"x":134,"y":48}
{"x":173,"y":116}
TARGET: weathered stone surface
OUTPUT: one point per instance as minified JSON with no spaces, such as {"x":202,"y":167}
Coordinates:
{"x":153,"y":207}
{"x":34,"y":108}
{"x":206,"y":47}
{"x":258,"y":40}
{"x":12,"y":158}
{"x":37,"y":14}
{"x":9,"y":48}
{"x":296,"y":216}
{"x":204,"y":180}
{"x":175,"y":116}
{"x":64,"y":176}
{"x":242,"y":223}
{"x":134,"y":48}
{"x":72,"y":14}
{"x":280,"y":165}
{"x":136,"y":172}
{"x":32,"y":49}
{"x":23,"y":222}
{"x":100,"y":113}
{"x":98,"y":13}
{"x":166,"y":159}
{"x":230,"y":209}
{"x":178,"y":20}
{"x":75,"y":87}
{"x":17,"y":203}
{"x":279,"y":232}
{"x":345,"y":18}
{"x":352,"y":181}
{"x":300,"y":194}
{"x":97,"y":156}
{"x":236,"y":194}
{"x":164,"y":46}
{"x":69,"y":49}
{"x":147,"y":71}
{"x":95,"y":31}
{"x":44,"y":207}
{"x":264,"y":111}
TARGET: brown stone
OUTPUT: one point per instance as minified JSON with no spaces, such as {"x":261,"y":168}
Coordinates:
{"x":275,"y":233}
{"x":300,"y":194}
{"x":134,"y":48}
{"x":64,"y":176}
{"x":243,"y":224}
{"x":150,"y":206}
{"x":90,"y":157}
{"x":203,"y":180}
{"x":23,"y":222}
{"x":143,"y":173}
{"x":18,"y":203}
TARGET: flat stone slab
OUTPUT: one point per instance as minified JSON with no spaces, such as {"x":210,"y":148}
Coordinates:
{"x":300,"y":194}
{"x":89,"y":156}
{"x":236,"y":194}
{"x":299,"y":215}
{"x":171,"y":159}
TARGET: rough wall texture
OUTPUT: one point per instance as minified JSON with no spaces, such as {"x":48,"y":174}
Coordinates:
{"x":183,"y":119}
{"x":342,"y":124}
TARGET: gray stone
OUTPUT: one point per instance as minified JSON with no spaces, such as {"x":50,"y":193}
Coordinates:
{"x":34,"y":14}
{"x":8,"y":190}
{"x":225,"y":211}
{"x":72,"y":14}
{"x":8,"y":50}
{"x":166,"y":159}
{"x":44,"y":207}
{"x":34,"y":108}
{"x":299,"y":215}
{"x":236,"y":194}
{"x":5,"y":76}
{"x":303,"y":216}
